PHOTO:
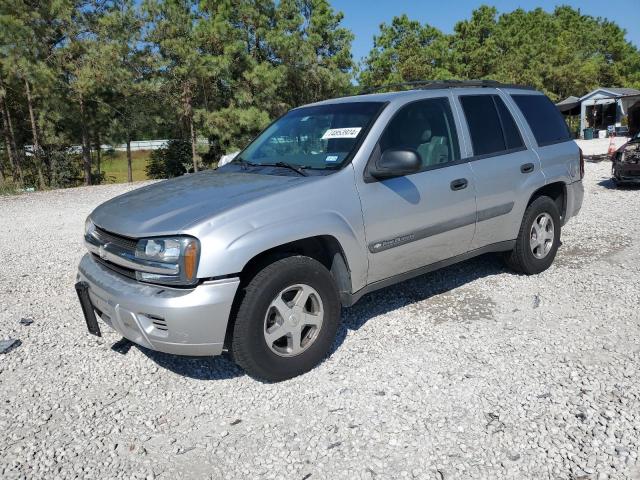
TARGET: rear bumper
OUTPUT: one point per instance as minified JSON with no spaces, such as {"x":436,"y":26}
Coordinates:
{"x":182,"y":322}
{"x":575,"y":195}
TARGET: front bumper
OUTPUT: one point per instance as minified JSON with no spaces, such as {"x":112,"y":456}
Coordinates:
{"x":171,"y":320}
{"x":627,"y":172}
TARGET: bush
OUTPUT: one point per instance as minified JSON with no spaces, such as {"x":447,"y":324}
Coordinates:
{"x":171,"y":161}
{"x":66,"y":168}
{"x":9,"y":188}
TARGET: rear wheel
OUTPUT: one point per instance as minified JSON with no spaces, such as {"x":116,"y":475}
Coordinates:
{"x":287,"y":319}
{"x":538,"y":239}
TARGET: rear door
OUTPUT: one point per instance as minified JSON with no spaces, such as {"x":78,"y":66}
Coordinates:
{"x":428,"y":216}
{"x":505,"y":169}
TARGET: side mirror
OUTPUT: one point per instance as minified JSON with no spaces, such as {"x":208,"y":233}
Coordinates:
{"x":396,"y":163}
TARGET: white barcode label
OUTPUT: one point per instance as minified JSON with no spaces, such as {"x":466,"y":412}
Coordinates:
{"x":351,"y":132}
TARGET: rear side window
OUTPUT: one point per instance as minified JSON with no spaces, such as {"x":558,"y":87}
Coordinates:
{"x":543,"y":117}
{"x":491,"y":126}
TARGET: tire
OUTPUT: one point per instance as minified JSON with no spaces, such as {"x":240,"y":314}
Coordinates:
{"x":523,"y":258}
{"x":289,"y":279}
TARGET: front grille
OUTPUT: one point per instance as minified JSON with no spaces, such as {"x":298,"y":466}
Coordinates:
{"x":127,"y":272}
{"x":124,"y":243}
{"x":107,"y":237}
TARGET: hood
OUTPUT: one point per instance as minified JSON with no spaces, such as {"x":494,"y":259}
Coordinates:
{"x":167,"y":207}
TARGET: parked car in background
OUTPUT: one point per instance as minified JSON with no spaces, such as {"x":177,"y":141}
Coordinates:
{"x":621,"y":131}
{"x":626,"y":162}
{"x":332,"y":201}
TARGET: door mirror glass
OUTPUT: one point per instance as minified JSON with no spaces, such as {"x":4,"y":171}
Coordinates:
{"x":396,"y":163}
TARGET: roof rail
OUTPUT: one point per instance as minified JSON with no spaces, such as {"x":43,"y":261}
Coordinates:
{"x":434,"y":84}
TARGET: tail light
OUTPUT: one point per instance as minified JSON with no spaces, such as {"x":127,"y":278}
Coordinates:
{"x":581,"y":164}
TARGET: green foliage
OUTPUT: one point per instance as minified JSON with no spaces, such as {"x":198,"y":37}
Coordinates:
{"x":405,"y":51}
{"x":9,"y":188}
{"x":170,"y":161}
{"x":85,"y":72}
{"x":66,"y":169}
{"x":109,"y":72}
{"x":561,"y":53}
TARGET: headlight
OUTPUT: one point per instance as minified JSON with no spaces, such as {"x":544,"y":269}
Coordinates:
{"x":181,"y":251}
{"x":89,"y":227}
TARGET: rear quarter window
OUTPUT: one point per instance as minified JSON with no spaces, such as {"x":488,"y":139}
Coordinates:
{"x":544,"y":119}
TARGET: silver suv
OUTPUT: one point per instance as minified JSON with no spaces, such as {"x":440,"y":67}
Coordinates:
{"x":332,"y":201}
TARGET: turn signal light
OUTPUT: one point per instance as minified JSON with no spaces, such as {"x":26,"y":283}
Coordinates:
{"x":190,"y":260}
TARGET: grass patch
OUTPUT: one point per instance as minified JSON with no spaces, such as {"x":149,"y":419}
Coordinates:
{"x":9,"y":188}
{"x":114,"y":166}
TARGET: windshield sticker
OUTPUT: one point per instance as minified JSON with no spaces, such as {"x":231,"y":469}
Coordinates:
{"x":341,"y":133}
{"x":331,"y":158}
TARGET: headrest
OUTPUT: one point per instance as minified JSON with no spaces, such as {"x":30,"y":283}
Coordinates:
{"x":426,"y":134}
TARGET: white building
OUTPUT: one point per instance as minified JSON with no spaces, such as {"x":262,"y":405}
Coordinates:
{"x":605,"y":108}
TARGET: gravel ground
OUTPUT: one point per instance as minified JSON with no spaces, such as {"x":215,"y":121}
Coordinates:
{"x":469,"y":372}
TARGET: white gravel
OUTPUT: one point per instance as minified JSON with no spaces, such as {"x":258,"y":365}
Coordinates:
{"x":470,"y":372}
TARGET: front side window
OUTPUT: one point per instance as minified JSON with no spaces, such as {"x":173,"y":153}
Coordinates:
{"x":427,"y":127}
{"x":316,"y":137}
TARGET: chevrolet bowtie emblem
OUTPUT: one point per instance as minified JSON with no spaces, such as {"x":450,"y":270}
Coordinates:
{"x":102,"y":252}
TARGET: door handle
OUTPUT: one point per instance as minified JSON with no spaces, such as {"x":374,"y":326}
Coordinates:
{"x":527,"y":168}
{"x":459,"y":184}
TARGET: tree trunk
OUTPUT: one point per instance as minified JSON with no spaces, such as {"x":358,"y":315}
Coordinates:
{"x":16,"y":153}
{"x":53,"y":167}
{"x":187,"y":105}
{"x":86,"y":149}
{"x":194,"y":153}
{"x":7,"y":138}
{"x":17,"y":168}
{"x":34,"y":133}
{"x":98,"y":155}
{"x":129,"y":169}
{"x":10,"y":140}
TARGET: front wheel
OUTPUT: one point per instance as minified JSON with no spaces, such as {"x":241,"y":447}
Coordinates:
{"x":287,"y":319}
{"x":538,"y":239}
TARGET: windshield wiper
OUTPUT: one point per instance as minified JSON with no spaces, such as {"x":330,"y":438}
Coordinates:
{"x":295,"y":168}
{"x":290,"y":166}
{"x":242,"y":161}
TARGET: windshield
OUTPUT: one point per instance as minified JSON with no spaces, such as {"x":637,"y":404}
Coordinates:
{"x":317,"y":137}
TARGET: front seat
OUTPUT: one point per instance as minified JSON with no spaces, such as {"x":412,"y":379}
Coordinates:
{"x":434,"y":149}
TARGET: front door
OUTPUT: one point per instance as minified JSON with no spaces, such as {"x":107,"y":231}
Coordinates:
{"x":419,"y":219}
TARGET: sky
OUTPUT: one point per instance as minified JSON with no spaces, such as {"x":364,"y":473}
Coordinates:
{"x":363,"y":17}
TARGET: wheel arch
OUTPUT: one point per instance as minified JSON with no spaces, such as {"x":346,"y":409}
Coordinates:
{"x":326,"y":249}
{"x":557,"y":191}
